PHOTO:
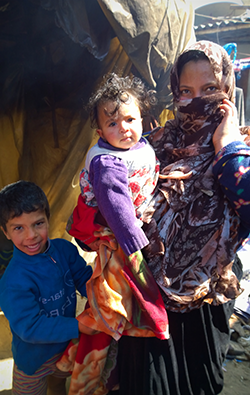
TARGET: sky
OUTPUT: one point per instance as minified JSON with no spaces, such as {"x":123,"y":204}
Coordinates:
{"x":200,"y":3}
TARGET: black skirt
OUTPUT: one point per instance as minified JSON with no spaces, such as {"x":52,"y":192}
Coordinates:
{"x":189,"y":363}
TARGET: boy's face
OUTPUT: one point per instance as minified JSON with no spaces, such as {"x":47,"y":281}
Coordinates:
{"x":122,"y":129}
{"x":29,"y":232}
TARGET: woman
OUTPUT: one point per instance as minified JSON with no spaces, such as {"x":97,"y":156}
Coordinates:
{"x":202,"y":213}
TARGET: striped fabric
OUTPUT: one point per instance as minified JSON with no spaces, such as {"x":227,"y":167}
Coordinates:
{"x":36,"y":384}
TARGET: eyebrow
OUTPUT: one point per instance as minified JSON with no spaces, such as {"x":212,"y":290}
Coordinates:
{"x":211,"y":83}
{"x":21,"y":224}
{"x":184,"y":86}
{"x":15,"y":225}
{"x":207,"y":84}
{"x":110,"y":119}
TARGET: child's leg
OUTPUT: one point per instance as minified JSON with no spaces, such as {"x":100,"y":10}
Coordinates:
{"x":37,"y":384}
{"x":56,"y":385}
{"x":57,"y":381}
{"x":24,"y":384}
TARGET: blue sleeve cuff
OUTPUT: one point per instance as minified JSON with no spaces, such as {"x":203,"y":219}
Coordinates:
{"x":233,"y":149}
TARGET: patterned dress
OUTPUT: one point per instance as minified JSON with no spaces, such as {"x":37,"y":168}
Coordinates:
{"x":200,"y":216}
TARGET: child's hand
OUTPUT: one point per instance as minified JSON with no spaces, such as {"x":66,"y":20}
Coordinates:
{"x":94,"y":246}
{"x":228,"y":129}
{"x":105,"y":236}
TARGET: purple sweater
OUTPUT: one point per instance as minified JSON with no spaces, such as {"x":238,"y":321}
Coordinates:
{"x":115,"y":203}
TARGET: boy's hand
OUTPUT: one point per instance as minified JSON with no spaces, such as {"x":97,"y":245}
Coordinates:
{"x":85,"y":329}
{"x":228,"y":129}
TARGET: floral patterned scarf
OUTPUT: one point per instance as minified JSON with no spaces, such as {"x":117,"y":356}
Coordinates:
{"x":194,"y":230}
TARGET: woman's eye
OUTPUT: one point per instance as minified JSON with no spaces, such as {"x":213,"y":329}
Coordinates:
{"x":212,"y":88}
{"x":185,"y":91}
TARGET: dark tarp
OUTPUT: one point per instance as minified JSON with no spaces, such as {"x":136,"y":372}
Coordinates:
{"x":53,"y":53}
{"x":151,"y":33}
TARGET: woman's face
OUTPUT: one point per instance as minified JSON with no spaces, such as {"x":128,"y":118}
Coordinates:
{"x":197,"y":79}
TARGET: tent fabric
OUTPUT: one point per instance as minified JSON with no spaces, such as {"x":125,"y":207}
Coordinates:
{"x":48,"y":146}
{"x":84,"y":22}
{"x":55,"y":53}
{"x":152,"y":33}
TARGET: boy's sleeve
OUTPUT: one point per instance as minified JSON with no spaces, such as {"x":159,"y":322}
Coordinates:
{"x":80,"y":271}
{"x":109,"y":178}
{"x":25,"y":317}
{"x":18,"y":300}
{"x":232,"y":169}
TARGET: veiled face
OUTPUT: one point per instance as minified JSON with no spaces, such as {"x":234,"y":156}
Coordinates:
{"x":197,"y":79}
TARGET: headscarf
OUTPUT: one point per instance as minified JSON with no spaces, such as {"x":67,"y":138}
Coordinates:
{"x":220,"y":62}
{"x":193,"y":224}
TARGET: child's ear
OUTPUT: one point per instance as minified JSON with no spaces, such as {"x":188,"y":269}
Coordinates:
{"x":5,"y":233}
{"x":99,"y":132}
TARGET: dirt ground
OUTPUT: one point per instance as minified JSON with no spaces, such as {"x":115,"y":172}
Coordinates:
{"x":237,"y":373}
{"x":237,"y":377}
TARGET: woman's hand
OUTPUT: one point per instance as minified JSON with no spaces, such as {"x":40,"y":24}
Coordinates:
{"x":228,"y":129}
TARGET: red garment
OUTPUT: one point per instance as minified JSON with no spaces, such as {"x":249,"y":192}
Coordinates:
{"x":82,"y":224}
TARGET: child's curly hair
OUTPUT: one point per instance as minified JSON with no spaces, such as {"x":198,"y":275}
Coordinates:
{"x":119,"y":90}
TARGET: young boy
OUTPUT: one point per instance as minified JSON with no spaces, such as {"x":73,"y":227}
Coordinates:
{"x":121,"y":170}
{"x":37,"y":290}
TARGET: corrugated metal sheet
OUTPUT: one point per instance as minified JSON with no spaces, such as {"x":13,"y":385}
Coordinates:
{"x":225,"y":24}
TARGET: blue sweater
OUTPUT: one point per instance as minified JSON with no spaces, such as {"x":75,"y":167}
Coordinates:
{"x":37,"y":296}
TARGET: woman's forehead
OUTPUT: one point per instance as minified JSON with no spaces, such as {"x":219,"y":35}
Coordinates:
{"x":220,"y":62}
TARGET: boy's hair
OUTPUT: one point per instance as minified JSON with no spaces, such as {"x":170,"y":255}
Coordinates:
{"x":119,"y":90}
{"x":21,"y":197}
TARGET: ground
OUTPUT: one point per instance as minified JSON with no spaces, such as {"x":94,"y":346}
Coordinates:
{"x":237,"y":378}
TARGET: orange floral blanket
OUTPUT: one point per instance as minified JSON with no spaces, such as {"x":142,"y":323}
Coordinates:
{"x":123,"y":299}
